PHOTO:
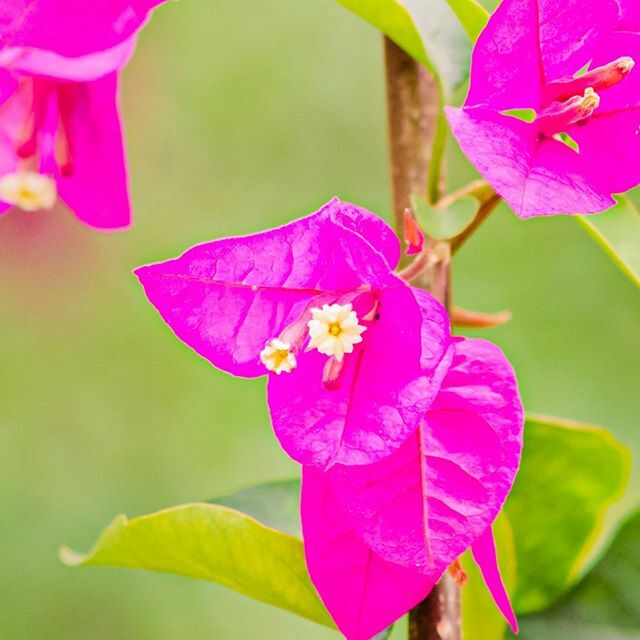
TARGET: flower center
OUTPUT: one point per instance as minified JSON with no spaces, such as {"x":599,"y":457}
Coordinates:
{"x":278,"y":357}
{"x":334,"y":330}
{"x":28,"y":190}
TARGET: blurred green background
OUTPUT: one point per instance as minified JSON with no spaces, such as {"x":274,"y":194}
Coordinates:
{"x":239,"y":116}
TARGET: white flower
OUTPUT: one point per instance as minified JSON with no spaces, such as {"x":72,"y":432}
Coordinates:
{"x":277,"y":356}
{"x":334,"y":330}
{"x":28,"y":190}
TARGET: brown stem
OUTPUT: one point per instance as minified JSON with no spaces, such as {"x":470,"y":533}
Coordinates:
{"x":412,"y":111}
{"x":437,"y":617}
{"x":412,"y":107}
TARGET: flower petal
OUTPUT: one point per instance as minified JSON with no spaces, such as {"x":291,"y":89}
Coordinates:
{"x":363,"y":593}
{"x":630,"y":15}
{"x":97,"y":190}
{"x":529,"y":42}
{"x":610,"y":145}
{"x":535,"y":176}
{"x":426,"y":504}
{"x":505,"y":66}
{"x":385,"y":387}
{"x":71,"y":28}
{"x":226,"y":299}
{"x":27,"y":60}
{"x":484,"y":554}
{"x":369,"y":226}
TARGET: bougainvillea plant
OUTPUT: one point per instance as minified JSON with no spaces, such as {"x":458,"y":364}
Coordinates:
{"x":60,"y":131}
{"x":408,"y":437}
{"x":413,"y":434}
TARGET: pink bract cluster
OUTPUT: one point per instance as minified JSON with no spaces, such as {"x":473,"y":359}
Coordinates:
{"x":573,"y":64}
{"x":409,"y":438}
{"x":60,"y":131}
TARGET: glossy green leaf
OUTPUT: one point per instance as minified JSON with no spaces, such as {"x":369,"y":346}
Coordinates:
{"x":617,"y":231}
{"x":216,"y":543}
{"x":570,"y":474}
{"x":275,"y":504}
{"x":430,"y":31}
{"x":481,"y":619}
{"x":605,"y":605}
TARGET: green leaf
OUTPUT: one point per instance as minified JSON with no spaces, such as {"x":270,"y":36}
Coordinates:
{"x":443,"y":224}
{"x":276,"y":504}
{"x":472,"y":16}
{"x":618,"y":233}
{"x":481,"y":619}
{"x":216,"y":543}
{"x":430,"y":31}
{"x":383,"y":635}
{"x":570,"y":474}
{"x":605,"y":604}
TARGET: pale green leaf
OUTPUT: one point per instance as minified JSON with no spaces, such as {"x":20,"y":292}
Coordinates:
{"x":570,"y":474}
{"x":605,"y":604}
{"x":618,"y":233}
{"x":216,"y":543}
{"x":481,"y":619}
{"x":443,"y":224}
{"x":472,"y":16}
{"x":430,"y":31}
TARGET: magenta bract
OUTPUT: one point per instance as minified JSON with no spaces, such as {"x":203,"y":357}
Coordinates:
{"x":71,"y":28}
{"x":409,"y":516}
{"x":263,"y":304}
{"x":363,"y":593}
{"x":581,"y":146}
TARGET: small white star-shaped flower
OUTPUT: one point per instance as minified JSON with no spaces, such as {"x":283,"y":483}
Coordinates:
{"x":28,"y":190}
{"x":334,"y":330}
{"x":278,"y":357}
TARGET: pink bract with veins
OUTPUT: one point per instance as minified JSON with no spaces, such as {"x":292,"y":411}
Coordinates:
{"x":71,"y":28}
{"x":231,"y":298}
{"x":378,"y":537}
{"x":573,"y":64}
{"x":59,"y":117}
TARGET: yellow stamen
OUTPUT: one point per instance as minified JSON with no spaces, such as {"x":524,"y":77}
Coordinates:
{"x":335,"y":329}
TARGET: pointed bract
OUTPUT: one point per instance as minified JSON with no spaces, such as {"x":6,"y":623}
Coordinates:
{"x":423,"y":506}
{"x":485,"y":556}
{"x":363,"y":593}
{"x":97,"y":189}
